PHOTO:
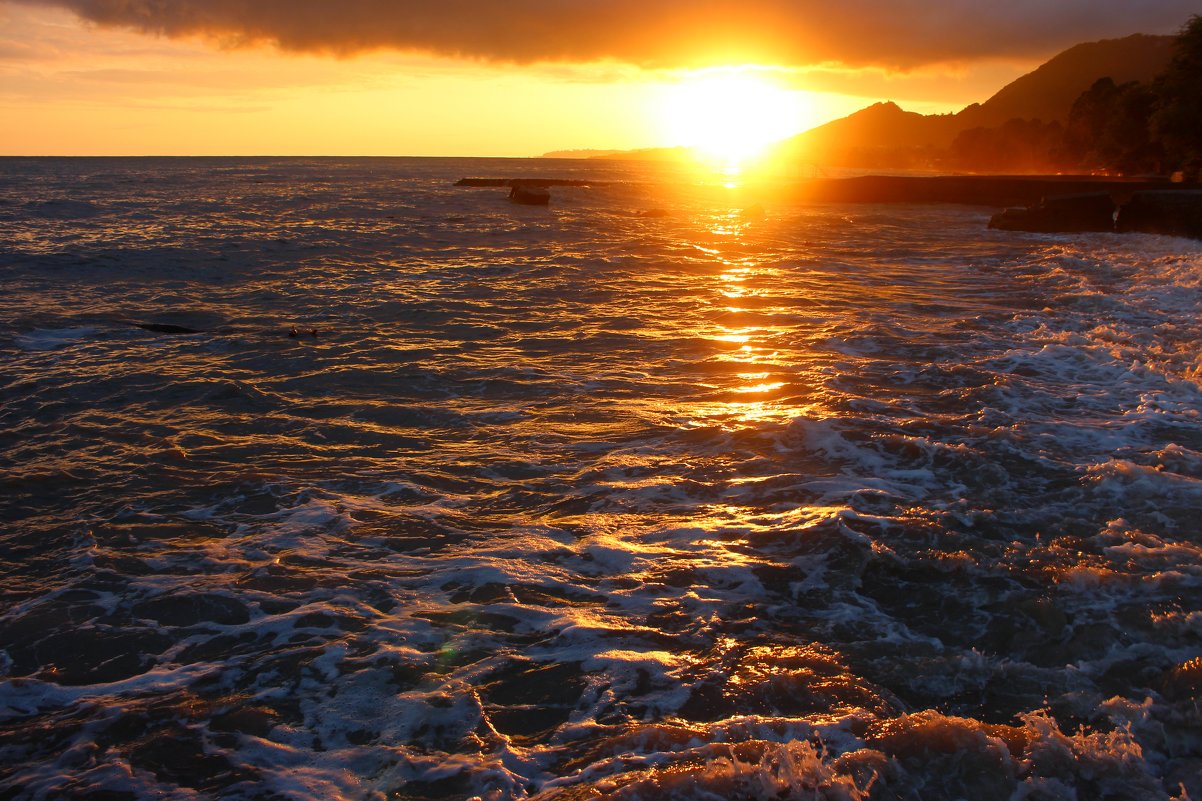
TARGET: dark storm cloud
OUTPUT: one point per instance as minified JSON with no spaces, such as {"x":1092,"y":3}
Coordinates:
{"x":897,"y":33}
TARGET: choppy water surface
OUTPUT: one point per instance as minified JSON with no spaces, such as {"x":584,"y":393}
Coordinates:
{"x":841,"y":502}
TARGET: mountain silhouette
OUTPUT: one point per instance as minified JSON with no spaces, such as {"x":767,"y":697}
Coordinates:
{"x":1048,"y":93}
{"x":884,"y":134}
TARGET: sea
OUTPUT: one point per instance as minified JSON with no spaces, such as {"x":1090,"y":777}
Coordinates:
{"x":673,"y":489}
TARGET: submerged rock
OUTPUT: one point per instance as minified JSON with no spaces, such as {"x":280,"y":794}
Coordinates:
{"x":166,"y":328}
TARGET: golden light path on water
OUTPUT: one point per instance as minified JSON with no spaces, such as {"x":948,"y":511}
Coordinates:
{"x":758,"y":385}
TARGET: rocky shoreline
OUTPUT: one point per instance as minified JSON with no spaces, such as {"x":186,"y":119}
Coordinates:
{"x":973,"y":190}
{"x":1173,"y":212}
{"x":1038,"y":203}
{"x":1045,"y":204}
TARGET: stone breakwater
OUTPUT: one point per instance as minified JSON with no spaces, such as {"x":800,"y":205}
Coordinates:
{"x":973,"y":190}
{"x":1042,"y":204}
{"x":1046,"y":204}
{"x":1171,"y":212}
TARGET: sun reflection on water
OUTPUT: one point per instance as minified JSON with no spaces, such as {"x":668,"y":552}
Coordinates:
{"x":732,"y":172}
{"x":747,"y":303}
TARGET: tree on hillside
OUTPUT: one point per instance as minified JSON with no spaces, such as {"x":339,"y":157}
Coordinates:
{"x":1108,"y":128}
{"x":1017,"y":146}
{"x":1177,"y":123}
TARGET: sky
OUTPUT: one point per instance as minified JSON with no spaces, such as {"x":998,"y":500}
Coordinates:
{"x":504,"y":77}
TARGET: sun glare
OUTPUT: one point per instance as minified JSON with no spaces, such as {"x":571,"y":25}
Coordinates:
{"x":730,"y":115}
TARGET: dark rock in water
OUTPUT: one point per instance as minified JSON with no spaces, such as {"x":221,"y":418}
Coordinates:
{"x":529,"y":195}
{"x":166,"y":328}
{"x":1171,"y":212}
{"x":1010,"y":220}
{"x":1093,"y":211}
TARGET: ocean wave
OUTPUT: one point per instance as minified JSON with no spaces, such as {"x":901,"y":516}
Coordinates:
{"x":833,"y":502}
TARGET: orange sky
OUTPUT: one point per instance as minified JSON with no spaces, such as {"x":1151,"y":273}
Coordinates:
{"x":90,"y":77}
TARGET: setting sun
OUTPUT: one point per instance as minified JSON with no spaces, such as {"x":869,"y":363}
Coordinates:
{"x":731,"y":114}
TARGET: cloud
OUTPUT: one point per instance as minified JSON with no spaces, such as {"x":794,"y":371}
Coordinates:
{"x":654,"y":33}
